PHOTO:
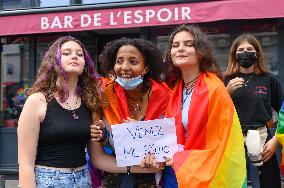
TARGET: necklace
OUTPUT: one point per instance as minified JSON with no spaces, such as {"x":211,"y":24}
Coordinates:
{"x":188,"y":91}
{"x":248,"y":80}
{"x":188,"y":85}
{"x":74,"y":114}
{"x":135,"y":104}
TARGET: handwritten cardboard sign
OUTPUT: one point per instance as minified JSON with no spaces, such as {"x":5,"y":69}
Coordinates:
{"x":132,"y":141}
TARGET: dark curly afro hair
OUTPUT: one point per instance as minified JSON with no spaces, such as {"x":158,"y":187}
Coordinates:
{"x":153,"y":57}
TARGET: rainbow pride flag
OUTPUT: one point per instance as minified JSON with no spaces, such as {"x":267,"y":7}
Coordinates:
{"x":280,"y":133}
{"x":213,"y":153}
{"x":117,"y":110}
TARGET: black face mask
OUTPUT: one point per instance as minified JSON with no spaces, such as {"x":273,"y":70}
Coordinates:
{"x":246,"y":59}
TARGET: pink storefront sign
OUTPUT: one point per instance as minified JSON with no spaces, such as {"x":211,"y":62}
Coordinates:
{"x":141,"y":16}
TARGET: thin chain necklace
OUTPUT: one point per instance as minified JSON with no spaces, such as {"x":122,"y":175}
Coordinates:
{"x":188,"y":90}
{"x":74,"y":114}
{"x":248,"y":80}
{"x":188,"y":85}
{"x":136,"y":104}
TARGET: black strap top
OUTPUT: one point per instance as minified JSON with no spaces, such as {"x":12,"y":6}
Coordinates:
{"x":62,"y":139}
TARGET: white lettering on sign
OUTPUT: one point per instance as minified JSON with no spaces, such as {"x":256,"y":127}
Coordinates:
{"x":85,"y":20}
{"x":149,"y":14}
{"x":44,"y":23}
{"x":167,"y":12}
{"x":185,"y":11}
{"x":132,"y":141}
{"x":127,"y":17}
{"x":56,"y":23}
{"x":116,"y":18}
{"x":68,"y":22}
{"x":176,"y":14}
{"x":112,"y":22}
{"x":97,"y":19}
{"x":138,"y":17}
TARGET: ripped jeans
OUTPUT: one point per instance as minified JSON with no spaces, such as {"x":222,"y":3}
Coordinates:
{"x":46,"y":177}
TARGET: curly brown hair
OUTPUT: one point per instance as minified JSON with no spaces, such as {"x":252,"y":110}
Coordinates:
{"x":202,"y":46}
{"x":153,"y":57}
{"x":52,"y":79}
{"x":233,"y":65}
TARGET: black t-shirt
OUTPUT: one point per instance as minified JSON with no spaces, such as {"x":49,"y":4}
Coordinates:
{"x":62,"y":139}
{"x":254,"y":102}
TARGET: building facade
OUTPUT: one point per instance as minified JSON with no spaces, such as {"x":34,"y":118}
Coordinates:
{"x":28,"y":27}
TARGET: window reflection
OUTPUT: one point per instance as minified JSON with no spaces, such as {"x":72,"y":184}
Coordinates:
{"x":11,"y":4}
{"x":14,"y":79}
{"x":221,"y":46}
{"x":103,"y":1}
{"x":269,"y":43}
{"x":51,"y":3}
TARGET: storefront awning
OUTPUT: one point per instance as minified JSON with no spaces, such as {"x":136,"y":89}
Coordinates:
{"x":141,"y":16}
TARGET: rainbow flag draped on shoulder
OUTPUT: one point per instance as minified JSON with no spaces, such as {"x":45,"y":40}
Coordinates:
{"x":213,"y":153}
{"x":117,"y":110}
{"x":280,"y":133}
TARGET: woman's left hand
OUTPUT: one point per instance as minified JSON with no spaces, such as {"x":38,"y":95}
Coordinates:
{"x":269,"y":149}
{"x":97,"y":131}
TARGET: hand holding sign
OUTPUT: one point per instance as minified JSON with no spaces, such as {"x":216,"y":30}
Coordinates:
{"x":132,"y":141}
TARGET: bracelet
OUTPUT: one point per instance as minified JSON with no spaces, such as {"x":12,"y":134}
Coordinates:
{"x":128,"y":170}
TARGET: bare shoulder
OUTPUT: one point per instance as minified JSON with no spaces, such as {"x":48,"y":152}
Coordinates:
{"x":36,"y":103}
{"x":36,"y":99}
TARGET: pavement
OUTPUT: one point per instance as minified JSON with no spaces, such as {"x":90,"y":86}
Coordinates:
{"x":11,"y":183}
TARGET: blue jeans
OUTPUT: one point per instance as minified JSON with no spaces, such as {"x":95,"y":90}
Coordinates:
{"x":53,"y":178}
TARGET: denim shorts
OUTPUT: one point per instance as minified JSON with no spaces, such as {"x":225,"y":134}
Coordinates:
{"x":53,"y":178}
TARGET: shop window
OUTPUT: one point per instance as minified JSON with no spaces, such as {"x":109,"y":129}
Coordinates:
{"x":51,"y":3}
{"x":162,"y":42}
{"x":102,"y":1}
{"x":221,"y":47}
{"x":11,"y":4}
{"x":269,"y":43}
{"x":42,"y":45}
{"x":14,"y":80}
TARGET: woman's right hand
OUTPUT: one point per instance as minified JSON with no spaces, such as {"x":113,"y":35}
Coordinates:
{"x":235,"y":84}
{"x":169,"y":161}
{"x":97,"y":131}
{"x":150,"y":162}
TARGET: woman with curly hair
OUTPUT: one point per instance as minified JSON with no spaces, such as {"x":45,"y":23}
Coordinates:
{"x":136,"y":94}
{"x":207,"y":126}
{"x":54,"y":126}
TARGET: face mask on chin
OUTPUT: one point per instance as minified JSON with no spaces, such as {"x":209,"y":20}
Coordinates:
{"x":246,"y":59}
{"x":129,"y":84}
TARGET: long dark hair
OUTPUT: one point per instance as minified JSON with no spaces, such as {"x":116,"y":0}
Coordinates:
{"x":202,"y":46}
{"x":233,"y":65}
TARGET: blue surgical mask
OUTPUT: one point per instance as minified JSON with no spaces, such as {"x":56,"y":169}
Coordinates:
{"x":129,"y":84}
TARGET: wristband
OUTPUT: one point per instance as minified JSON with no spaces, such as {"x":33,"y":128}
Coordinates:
{"x":128,"y":170}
